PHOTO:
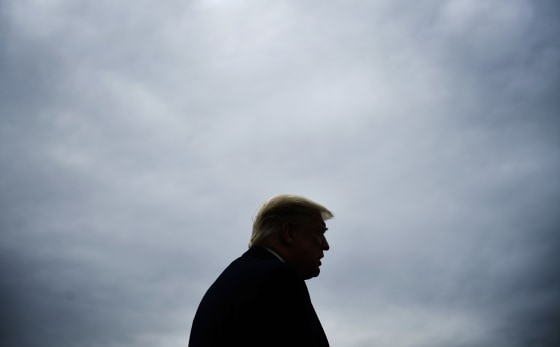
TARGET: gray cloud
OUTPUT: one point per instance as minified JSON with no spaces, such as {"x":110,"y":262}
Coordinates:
{"x":138,"y":140}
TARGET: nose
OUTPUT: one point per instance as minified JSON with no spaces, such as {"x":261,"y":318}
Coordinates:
{"x":325,"y":245}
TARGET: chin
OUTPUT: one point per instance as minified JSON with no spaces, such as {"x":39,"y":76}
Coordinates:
{"x":314,"y":273}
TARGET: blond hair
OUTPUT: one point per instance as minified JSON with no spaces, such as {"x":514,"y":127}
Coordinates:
{"x":282,"y":209}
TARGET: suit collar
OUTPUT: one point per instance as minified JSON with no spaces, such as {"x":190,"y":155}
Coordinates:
{"x":261,"y":252}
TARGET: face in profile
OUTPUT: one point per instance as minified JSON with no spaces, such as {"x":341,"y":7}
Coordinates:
{"x":309,"y":246}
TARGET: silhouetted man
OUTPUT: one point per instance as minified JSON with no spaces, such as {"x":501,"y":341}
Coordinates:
{"x":261,"y":298}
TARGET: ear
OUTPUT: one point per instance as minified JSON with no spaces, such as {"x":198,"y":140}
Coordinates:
{"x":287,"y":234}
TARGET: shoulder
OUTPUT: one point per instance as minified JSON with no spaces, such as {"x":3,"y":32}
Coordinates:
{"x":258,"y":259}
{"x":259,"y":264}
{"x":253,"y":269}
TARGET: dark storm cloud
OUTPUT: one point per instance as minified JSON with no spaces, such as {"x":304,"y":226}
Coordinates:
{"x":137,"y":141}
{"x":63,"y":276}
{"x":475,"y":221}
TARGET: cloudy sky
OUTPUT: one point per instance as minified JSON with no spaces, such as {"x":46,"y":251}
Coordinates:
{"x":138,"y":138}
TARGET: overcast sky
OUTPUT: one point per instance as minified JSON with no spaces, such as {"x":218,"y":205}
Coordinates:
{"x":138,"y":138}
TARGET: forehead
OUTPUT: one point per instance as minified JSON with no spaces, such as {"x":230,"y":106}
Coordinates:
{"x":316,"y":222}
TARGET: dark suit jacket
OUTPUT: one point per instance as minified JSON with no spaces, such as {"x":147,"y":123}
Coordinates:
{"x":257,"y":301}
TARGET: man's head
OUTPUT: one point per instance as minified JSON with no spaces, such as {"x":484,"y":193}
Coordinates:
{"x":293,"y":227}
